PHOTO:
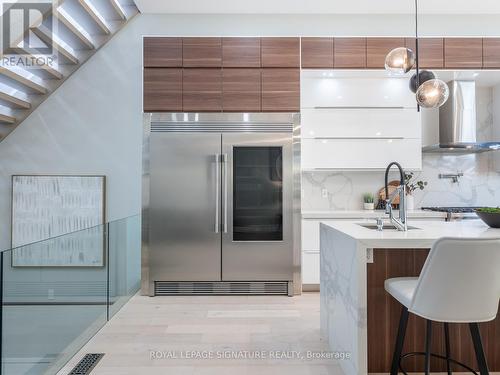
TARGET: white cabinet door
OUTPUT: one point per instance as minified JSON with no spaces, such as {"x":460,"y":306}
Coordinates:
{"x":360,"y":123}
{"x":355,"y":92}
{"x":310,"y":267}
{"x":360,"y":153}
{"x":310,"y":235}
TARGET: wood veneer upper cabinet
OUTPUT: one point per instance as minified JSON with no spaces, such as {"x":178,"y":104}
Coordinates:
{"x":280,"y":90}
{"x":202,"y":52}
{"x":349,"y":53}
{"x":280,"y":52}
{"x":241,"y":90}
{"x":162,"y":89}
{"x":162,"y":52}
{"x":463,"y":53}
{"x":241,"y":52}
{"x":491,"y":53}
{"x":430,"y":51}
{"x":378,"y":48}
{"x":202,"y":90}
{"x":317,"y":53}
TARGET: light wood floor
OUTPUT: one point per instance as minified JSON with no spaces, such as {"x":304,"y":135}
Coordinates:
{"x":212,"y":325}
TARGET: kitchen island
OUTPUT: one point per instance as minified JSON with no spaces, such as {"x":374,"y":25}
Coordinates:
{"x":360,"y":318}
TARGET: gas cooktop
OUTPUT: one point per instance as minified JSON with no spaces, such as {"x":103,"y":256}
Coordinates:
{"x":451,"y":209}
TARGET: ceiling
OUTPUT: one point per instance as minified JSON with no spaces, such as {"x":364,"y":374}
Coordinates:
{"x":318,"y":6}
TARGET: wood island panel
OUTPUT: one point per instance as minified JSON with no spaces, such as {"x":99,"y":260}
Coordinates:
{"x":383,"y":319}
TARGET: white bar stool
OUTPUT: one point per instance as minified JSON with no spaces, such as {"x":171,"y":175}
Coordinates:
{"x":459,"y":283}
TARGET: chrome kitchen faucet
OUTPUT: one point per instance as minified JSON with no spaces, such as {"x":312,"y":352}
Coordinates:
{"x":401,"y":222}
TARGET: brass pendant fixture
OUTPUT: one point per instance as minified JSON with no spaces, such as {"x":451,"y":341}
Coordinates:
{"x":430,"y":91}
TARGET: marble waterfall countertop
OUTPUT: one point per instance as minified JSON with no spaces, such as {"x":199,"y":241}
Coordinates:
{"x":345,"y":248}
{"x":422,"y":235}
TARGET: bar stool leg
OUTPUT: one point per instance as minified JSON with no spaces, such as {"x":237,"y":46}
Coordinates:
{"x":447,"y":345}
{"x":400,"y":340}
{"x":478,"y":348}
{"x":428,"y":342}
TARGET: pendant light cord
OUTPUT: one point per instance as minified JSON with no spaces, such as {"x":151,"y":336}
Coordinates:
{"x":416,"y":49}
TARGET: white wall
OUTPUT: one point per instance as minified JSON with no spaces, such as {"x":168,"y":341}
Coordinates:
{"x":93,"y":123}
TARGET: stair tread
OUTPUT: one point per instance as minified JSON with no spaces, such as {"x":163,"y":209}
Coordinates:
{"x":96,"y":16}
{"x":14,"y":97}
{"x":74,"y":27}
{"x":25,"y":78}
{"x":66,"y":50}
{"x":6,"y":115}
{"x":119,"y":9}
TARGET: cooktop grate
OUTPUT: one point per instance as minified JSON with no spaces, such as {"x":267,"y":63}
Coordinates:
{"x":87,"y":364}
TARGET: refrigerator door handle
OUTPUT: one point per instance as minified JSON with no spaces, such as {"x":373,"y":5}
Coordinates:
{"x":224,"y":223}
{"x":217,"y":192}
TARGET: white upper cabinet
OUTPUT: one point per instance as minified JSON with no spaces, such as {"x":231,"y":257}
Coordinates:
{"x":362,"y":92}
{"x":360,"y":123}
{"x":360,"y":154}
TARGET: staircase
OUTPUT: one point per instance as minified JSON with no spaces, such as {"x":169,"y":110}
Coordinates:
{"x":81,"y":27}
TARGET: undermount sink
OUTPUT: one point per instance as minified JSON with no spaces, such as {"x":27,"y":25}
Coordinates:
{"x":386,"y":227}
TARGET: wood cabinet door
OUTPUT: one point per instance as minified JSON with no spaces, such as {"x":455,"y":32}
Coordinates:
{"x":378,"y":48}
{"x":162,"y":52}
{"x":162,"y":90}
{"x":202,"y":52}
{"x":241,"y":90}
{"x":349,"y":53}
{"x":241,"y":52}
{"x":491,"y":53}
{"x":317,"y":53}
{"x":430,"y":52}
{"x":464,"y":53}
{"x":280,"y":90}
{"x":202,"y":90}
{"x":280,"y":52}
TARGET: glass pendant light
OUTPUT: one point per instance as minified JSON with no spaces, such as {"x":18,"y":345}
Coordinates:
{"x":432,"y":93}
{"x":400,"y":60}
{"x":423,"y":76}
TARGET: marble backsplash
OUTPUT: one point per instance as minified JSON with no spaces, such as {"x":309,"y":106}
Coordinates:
{"x":479,"y":186}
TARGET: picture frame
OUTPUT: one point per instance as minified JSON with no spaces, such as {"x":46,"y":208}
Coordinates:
{"x":58,"y":221}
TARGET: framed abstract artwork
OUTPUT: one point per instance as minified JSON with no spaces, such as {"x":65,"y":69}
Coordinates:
{"x":57,"y":221}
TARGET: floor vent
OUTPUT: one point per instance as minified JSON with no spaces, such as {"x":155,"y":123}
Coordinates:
{"x":87,"y":364}
{"x":203,"y":288}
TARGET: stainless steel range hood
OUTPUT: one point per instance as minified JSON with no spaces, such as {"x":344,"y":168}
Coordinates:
{"x":457,"y":122}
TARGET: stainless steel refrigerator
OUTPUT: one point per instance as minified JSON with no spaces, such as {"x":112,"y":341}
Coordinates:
{"x":221,"y":208}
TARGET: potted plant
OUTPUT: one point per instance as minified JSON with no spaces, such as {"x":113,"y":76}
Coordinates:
{"x":490,"y":215}
{"x":412,"y":185}
{"x":368,"y":201}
